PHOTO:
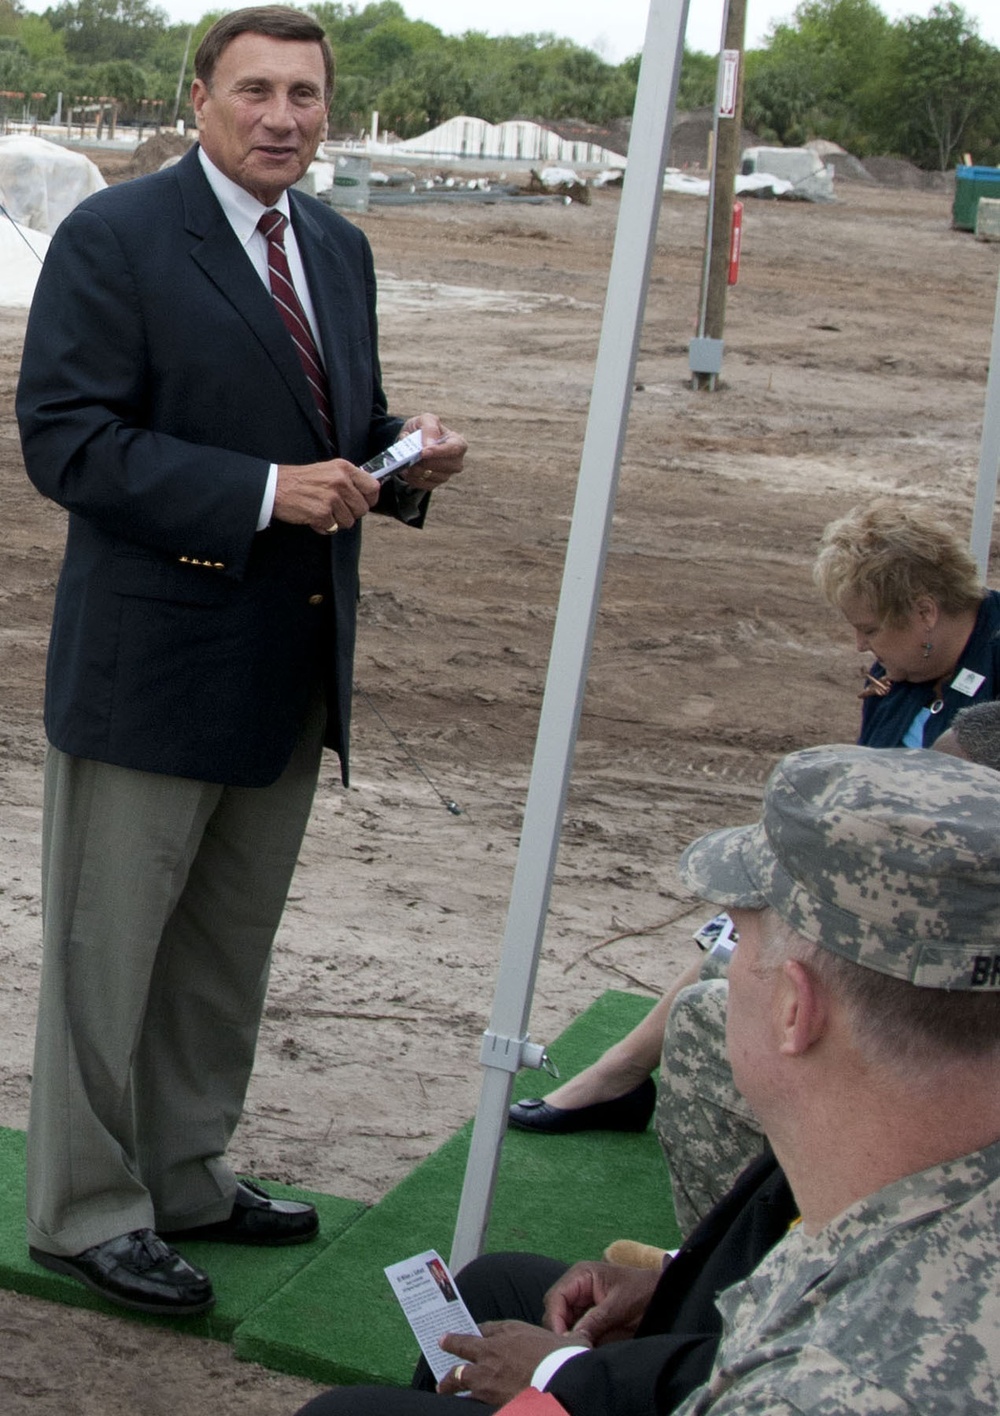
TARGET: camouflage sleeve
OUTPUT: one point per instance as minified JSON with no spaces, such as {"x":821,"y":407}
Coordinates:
{"x":706,"y":1130}
{"x":809,"y":1382}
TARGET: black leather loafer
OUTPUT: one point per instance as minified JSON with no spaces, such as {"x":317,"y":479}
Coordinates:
{"x":257,"y":1219}
{"x":137,"y":1271}
{"x":630,"y":1112}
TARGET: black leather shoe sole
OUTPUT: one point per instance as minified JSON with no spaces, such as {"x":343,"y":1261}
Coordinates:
{"x":630,"y":1112}
{"x":256,"y":1219}
{"x":136,"y":1271}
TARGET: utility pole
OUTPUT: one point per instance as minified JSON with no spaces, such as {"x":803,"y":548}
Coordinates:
{"x":180,"y":77}
{"x":705,"y":351}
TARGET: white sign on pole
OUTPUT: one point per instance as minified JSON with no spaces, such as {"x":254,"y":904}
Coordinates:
{"x":730,"y":79}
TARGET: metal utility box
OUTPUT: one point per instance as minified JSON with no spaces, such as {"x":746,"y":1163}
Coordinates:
{"x":351,"y":180}
{"x":971,"y":183}
{"x":988,"y":219}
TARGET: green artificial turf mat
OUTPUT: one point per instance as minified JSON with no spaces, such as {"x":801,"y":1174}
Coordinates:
{"x":570,"y":1196}
{"x":325,"y":1310}
{"x":243,"y":1279}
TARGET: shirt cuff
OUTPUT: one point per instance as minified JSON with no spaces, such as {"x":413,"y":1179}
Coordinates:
{"x":267,"y":505}
{"x":549,"y":1365}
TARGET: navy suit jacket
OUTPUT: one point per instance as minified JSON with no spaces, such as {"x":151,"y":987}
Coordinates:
{"x":158,"y":384}
{"x":885,"y":721}
{"x":674,"y":1348}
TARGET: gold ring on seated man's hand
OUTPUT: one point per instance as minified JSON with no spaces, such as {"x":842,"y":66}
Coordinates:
{"x":333,"y":528}
{"x":459,"y":1372}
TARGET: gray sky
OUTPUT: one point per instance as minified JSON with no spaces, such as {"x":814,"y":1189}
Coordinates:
{"x":616,"y":27}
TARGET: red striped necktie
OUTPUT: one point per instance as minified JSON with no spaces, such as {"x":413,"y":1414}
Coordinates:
{"x":272,"y":227}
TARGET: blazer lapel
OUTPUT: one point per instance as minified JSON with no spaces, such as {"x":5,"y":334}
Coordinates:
{"x":217,"y":252}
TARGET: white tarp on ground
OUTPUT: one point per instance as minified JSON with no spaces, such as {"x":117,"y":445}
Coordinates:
{"x":675,"y":181}
{"x":21,"y":255}
{"x":806,"y":175}
{"x":41,"y":182}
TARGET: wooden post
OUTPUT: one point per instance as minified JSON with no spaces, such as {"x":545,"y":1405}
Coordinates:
{"x":706,"y":355}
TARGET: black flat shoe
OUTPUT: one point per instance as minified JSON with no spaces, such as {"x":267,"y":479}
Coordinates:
{"x":137,"y":1271}
{"x":630,"y":1112}
{"x":256,"y":1219}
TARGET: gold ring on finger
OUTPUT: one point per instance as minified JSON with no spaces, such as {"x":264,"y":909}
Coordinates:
{"x":333,"y":528}
{"x":459,"y":1372}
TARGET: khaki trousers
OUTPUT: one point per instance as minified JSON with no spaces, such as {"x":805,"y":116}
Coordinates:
{"x":161,"y":898}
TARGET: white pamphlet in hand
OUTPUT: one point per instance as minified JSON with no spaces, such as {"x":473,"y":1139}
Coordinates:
{"x":401,"y":454}
{"x":433,"y":1306}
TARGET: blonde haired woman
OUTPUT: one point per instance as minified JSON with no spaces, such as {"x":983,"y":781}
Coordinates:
{"x":908,"y":586}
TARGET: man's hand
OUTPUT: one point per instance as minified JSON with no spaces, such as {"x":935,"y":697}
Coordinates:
{"x":496,"y":1366}
{"x":324,"y":495}
{"x":442,"y":457}
{"x":597,"y":1303}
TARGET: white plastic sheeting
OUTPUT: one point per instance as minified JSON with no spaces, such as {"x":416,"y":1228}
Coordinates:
{"x":517,"y":139}
{"x":41,"y":182}
{"x":21,"y":254}
{"x":684,"y":182}
{"x":804,"y":173}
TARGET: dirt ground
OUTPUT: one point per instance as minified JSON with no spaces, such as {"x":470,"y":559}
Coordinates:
{"x":856,"y":357}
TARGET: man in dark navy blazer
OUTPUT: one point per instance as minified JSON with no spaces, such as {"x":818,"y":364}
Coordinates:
{"x":201,"y":649}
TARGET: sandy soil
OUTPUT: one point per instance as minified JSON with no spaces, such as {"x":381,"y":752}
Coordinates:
{"x":856,"y":357}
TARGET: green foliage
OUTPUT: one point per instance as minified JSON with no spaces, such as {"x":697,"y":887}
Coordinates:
{"x":121,"y":79}
{"x":699,"y":76}
{"x":943,"y":89}
{"x":13,"y":65}
{"x":10,"y":13}
{"x":99,"y":30}
{"x":923,"y":89}
{"x":819,"y":76}
{"x":927,"y":89}
{"x":416,"y":77}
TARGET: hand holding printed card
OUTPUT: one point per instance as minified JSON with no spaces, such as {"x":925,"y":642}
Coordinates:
{"x":432,"y":1304}
{"x":401,"y":454}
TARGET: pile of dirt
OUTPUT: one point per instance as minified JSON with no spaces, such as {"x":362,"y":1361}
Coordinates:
{"x":153,"y":152}
{"x":690,"y":139}
{"x":846,"y":167}
{"x":902,"y":174}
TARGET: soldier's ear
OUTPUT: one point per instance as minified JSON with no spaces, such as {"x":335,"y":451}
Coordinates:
{"x":803,"y":1009}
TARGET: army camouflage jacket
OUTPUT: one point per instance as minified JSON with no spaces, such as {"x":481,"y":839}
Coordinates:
{"x":893,"y":1308}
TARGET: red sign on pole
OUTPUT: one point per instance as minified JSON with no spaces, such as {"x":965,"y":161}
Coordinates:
{"x":735,"y":240}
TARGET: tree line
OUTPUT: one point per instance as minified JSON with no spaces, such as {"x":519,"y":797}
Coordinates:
{"x":924,"y":89}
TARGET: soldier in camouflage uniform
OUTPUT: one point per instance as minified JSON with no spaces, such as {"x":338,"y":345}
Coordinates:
{"x":705,"y":1128}
{"x":707,"y":1132}
{"x":864,"y":1030}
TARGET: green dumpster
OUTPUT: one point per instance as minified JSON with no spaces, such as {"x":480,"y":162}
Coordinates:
{"x":971,"y":183}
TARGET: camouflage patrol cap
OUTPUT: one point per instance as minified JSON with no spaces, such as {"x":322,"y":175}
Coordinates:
{"x":888,"y":857}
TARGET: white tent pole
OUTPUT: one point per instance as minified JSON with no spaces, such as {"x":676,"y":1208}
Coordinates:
{"x":989,"y":455}
{"x":506,"y":1046}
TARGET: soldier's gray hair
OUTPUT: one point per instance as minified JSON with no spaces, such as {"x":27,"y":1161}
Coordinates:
{"x":976,"y":729}
{"x":894,"y":1022}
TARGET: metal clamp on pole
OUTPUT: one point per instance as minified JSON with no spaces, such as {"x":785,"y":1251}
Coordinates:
{"x":510,"y":1054}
